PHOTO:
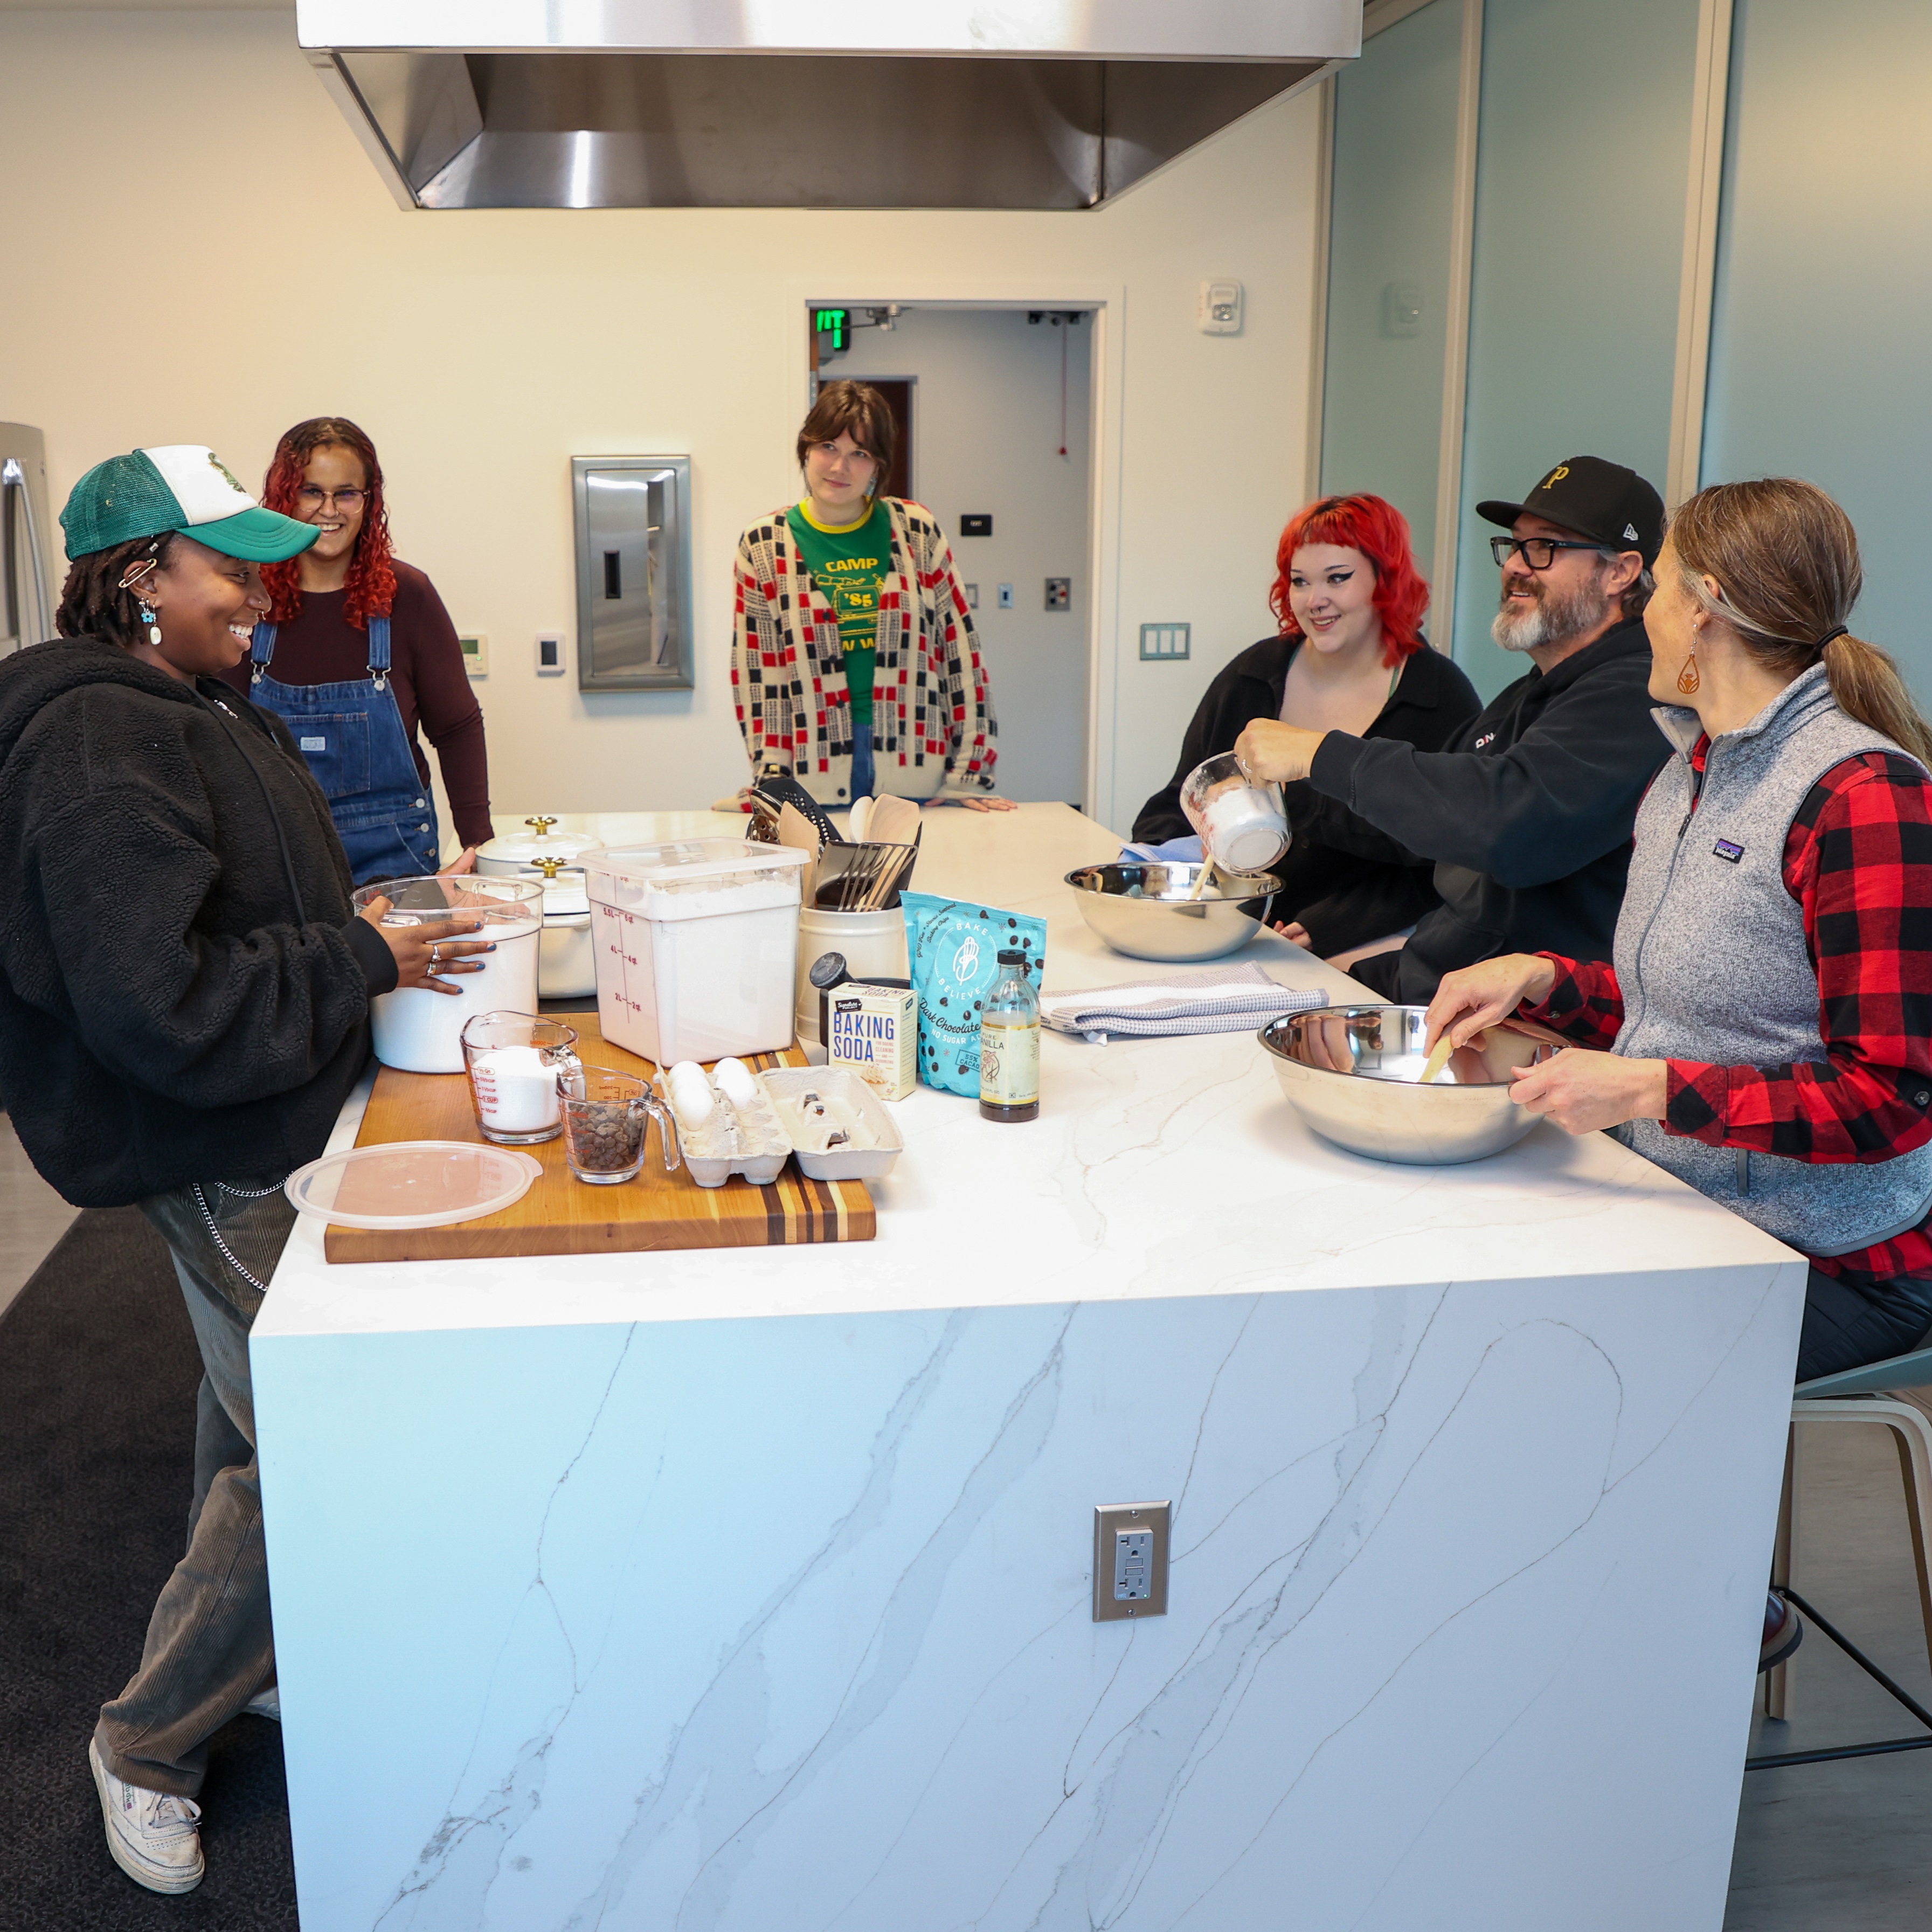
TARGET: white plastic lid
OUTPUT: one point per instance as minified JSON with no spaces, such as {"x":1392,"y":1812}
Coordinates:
{"x":685,"y":859}
{"x":412,"y":1183}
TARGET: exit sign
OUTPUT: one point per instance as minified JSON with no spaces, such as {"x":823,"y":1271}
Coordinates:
{"x":836,"y":322}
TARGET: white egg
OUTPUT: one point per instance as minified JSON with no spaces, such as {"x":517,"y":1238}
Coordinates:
{"x":735,"y":1081}
{"x":691,"y":1096}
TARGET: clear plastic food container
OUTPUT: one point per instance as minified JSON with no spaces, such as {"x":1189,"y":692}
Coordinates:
{"x":696,"y":946}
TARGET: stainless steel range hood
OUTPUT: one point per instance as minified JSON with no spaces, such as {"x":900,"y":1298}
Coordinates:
{"x":802,"y":104}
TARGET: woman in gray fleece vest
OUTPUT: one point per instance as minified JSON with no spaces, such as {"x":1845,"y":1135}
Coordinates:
{"x":1768,"y":1009}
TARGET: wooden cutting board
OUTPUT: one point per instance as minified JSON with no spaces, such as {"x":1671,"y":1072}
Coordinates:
{"x":561,"y":1215}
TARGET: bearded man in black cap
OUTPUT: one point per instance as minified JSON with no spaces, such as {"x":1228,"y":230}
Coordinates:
{"x":1527,"y":814}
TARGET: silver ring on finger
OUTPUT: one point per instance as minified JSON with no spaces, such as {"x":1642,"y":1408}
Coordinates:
{"x":435,"y":957}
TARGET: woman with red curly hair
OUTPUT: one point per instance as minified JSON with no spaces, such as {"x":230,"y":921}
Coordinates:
{"x":357,"y":650}
{"x":1348,"y":655}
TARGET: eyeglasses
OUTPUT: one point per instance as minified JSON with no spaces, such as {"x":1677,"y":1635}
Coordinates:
{"x":1539,"y":553}
{"x":311,"y":498}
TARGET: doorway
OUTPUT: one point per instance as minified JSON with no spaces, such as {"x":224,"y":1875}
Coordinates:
{"x":995,"y":441}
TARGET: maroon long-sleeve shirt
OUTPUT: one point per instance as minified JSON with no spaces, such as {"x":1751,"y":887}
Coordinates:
{"x":426,"y":673}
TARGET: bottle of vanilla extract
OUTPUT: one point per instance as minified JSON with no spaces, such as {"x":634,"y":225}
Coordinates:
{"x":1009,"y":1045}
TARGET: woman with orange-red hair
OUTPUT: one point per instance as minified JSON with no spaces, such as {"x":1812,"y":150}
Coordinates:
{"x":356,"y":652}
{"x":1348,"y":655}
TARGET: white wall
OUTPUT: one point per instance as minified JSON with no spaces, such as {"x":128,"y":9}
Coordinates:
{"x":199,"y":252}
{"x":986,"y":436}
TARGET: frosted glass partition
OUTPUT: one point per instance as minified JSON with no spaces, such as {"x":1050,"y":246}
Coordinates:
{"x":1388,"y":265}
{"x":1582,"y":159}
{"x":1818,"y":361}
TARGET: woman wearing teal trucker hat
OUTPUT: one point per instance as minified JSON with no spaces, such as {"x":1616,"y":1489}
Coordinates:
{"x":185,"y":993}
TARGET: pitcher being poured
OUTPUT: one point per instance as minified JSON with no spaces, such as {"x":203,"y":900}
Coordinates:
{"x":1243,"y":825}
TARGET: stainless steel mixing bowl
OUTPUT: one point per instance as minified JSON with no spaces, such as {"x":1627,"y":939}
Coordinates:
{"x":1353,"y":1074}
{"x":1143,"y":909}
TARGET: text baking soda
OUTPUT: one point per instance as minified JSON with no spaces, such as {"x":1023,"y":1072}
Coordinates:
{"x":875,"y":1035}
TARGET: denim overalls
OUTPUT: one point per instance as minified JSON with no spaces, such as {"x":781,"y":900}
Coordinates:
{"x":352,"y":735}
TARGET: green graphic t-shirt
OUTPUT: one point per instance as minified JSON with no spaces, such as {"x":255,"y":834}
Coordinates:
{"x":848,"y":566}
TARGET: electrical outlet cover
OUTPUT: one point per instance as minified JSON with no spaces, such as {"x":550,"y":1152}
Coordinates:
{"x":1130,"y":1542}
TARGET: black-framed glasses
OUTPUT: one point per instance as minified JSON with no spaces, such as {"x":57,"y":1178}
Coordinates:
{"x":1539,"y":553}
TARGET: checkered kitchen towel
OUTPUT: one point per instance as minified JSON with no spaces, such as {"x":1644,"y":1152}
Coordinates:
{"x":1232,"y":999}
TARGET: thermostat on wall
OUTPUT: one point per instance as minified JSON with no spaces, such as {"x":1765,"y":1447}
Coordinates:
{"x":1220,"y":311}
{"x":475,"y":654}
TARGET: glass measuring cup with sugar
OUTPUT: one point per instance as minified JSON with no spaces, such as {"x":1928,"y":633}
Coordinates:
{"x":514,"y":1061}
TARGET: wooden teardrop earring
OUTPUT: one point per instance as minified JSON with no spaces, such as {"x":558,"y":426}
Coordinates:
{"x":1688,"y":680}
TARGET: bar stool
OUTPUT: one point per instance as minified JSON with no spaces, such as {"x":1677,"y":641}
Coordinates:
{"x":1882,"y":1393}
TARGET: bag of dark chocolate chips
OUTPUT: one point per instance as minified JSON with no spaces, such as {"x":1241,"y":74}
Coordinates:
{"x":954,"y":948}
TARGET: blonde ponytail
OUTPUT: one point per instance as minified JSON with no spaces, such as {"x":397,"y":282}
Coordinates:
{"x":1785,"y":559}
{"x":1867,"y":685}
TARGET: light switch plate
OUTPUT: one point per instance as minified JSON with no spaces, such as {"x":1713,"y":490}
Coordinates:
{"x":972,"y":597}
{"x":550,"y":654}
{"x":1166,"y":643}
{"x":475,"y":653}
{"x":1005,"y":597}
{"x":1130,"y":1561}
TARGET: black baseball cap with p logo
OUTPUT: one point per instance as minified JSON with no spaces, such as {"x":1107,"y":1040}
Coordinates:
{"x":1602,"y":501}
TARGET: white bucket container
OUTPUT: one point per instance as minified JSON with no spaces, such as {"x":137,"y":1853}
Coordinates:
{"x":873,"y":944}
{"x":696,"y":947}
{"x":418,"y":1030}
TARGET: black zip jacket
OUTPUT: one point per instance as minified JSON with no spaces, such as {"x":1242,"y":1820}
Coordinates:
{"x":184,"y":992}
{"x":1527,"y":815}
{"x":1343,"y":895}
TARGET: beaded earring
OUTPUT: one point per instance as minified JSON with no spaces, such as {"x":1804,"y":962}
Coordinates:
{"x":153,"y":628}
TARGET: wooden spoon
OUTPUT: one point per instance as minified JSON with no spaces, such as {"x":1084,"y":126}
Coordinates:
{"x":796,"y":830}
{"x":1438,"y":1058}
{"x":894,"y":821}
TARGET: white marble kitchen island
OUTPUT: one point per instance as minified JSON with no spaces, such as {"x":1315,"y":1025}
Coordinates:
{"x":751,"y":1589}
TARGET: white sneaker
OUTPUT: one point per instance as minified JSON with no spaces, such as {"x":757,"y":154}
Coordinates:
{"x":265,"y":1704}
{"x":153,"y":1836}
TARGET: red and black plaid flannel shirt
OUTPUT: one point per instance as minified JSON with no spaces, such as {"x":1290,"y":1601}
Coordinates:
{"x":1859,"y":861}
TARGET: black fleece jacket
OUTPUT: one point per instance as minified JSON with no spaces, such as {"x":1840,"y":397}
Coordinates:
{"x":1341,"y":894}
{"x":1527,"y":815}
{"x":183,"y":992}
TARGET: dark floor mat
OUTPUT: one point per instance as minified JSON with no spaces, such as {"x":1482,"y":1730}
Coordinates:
{"x":98,"y":1371}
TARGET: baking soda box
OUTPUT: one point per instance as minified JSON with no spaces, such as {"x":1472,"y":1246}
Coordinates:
{"x":874,"y":1033}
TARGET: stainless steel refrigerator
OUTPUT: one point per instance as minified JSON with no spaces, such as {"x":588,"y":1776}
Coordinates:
{"x":28,"y":585}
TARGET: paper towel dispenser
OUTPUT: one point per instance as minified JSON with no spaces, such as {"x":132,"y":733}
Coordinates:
{"x":633,"y":572}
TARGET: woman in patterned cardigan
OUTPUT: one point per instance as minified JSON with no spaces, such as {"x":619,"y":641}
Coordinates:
{"x":854,"y":665}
